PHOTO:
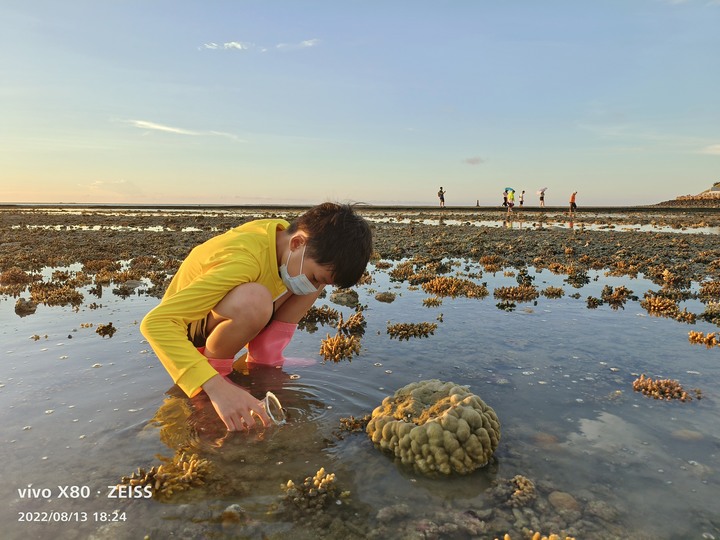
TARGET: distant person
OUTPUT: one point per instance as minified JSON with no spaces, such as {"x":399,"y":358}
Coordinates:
{"x":249,"y":287}
{"x":505,"y":197}
{"x":573,"y":206}
{"x":521,"y":198}
{"x":542,"y":199}
{"x":441,"y":196}
{"x":510,"y":200}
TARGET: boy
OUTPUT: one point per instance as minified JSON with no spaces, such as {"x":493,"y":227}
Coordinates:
{"x":251,"y":286}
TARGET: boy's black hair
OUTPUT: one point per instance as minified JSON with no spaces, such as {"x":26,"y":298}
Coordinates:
{"x":338,"y":238}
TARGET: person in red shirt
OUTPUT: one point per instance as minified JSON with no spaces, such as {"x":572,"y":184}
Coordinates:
{"x":573,"y":206}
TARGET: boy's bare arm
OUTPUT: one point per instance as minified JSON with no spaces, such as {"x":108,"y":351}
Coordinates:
{"x":233,"y":404}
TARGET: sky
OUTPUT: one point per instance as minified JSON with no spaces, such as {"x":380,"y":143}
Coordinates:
{"x":380,"y":102}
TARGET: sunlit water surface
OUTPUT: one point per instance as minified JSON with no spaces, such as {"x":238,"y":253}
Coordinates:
{"x":81,"y":410}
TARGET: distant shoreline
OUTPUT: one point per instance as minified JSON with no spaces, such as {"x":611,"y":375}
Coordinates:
{"x":667,"y":205}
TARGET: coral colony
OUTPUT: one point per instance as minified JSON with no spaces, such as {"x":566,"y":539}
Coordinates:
{"x":436,"y":427}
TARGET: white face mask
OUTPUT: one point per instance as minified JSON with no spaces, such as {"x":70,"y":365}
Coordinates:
{"x":299,"y":284}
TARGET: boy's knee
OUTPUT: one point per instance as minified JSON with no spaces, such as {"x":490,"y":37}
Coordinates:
{"x":250,"y":301}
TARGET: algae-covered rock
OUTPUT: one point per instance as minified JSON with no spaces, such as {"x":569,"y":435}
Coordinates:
{"x":436,"y":427}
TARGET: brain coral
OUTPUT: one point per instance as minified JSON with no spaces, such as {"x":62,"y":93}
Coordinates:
{"x":436,"y":427}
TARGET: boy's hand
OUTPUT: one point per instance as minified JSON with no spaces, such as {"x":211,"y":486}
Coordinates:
{"x":233,"y":404}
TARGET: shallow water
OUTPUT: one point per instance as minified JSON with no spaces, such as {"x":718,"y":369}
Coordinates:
{"x":81,"y":410}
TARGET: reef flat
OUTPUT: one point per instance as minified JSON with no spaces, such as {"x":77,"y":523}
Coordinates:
{"x":641,"y":239}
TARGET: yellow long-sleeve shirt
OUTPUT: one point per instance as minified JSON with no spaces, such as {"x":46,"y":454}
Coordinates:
{"x":245,"y":254}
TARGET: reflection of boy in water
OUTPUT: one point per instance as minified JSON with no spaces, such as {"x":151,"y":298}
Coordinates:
{"x":249,"y":287}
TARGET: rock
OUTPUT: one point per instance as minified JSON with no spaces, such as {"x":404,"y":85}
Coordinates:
{"x":233,"y":515}
{"x":393,"y":513}
{"x":386,"y":297}
{"x":345,"y":297}
{"x":562,"y":501}
{"x":602,"y":510}
{"x":687,"y":435}
{"x":25,"y":307}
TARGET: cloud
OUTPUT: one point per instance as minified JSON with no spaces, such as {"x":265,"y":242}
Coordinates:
{"x":142,"y":124}
{"x":239,"y":45}
{"x":293,"y":46}
{"x":474,"y":160}
{"x":248,"y":46}
{"x":229,"y":46}
{"x":152,"y":126}
{"x":713,"y":150}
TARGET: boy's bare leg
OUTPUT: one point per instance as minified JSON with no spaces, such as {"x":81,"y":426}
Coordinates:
{"x":294,"y":307}
{"x":237,"y":318}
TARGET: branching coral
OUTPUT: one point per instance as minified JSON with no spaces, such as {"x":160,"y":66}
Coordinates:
{"x":577,"y":277}
{"x":355,"y":424}
{"x":95,"y":266}
{"x":616,"y":297}
{"x":710,"y":290}
{"x":659,"y":306}
{"x":436,"y":427}
{"x":667,"y":389}
{"x":323,"y":315}
{"x":422,"y":276}
{"x":339,"y":347}
{"x":540,"y":536}
{"x":709,"y":340}
{"x":506,"y":305}
{"x":685,"y":316}
{"x":355,"y":325}
{"x":623,"y":268}
{"x":15,"y":276}
{"x":52,"y":294}
{"x":492,"y":263}
{"x":553,"y":292}
{"x":404,"y":331}
{"x":315,"y":493}
{"x":672,"y":280}
{"x":454,"y":287}
{"x":432,"y":301}
{"x":521,"y":293}
{"x":524,"y":491}
{"x":712,"y":313}
{"x":182,"y":472}
{"x":105,"y":330}
{"x":402,"y":271}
